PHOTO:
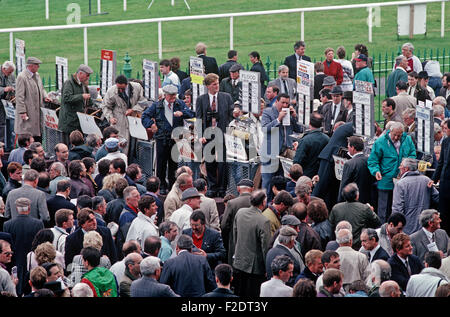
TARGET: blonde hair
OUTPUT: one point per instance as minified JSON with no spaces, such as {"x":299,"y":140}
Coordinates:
{"x":200,"y":48}
{"x":109,"y":182}
{"x":93,"y":239}
{"x":45,"y":252}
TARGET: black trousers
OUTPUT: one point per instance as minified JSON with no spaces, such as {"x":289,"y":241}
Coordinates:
{"x":217,"y":172}
{"x":246,"y":284}
{"x":165,"y":166}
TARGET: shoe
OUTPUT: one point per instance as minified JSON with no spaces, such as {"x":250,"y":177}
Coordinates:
{"x":211,"y":194}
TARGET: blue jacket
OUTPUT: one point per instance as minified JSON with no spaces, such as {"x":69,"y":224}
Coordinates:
{"x":156,"y":113}
{"x":212,"y":244}
{"x":384,"y":158}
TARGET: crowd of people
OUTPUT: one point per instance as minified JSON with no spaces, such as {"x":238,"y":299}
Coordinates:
{"x":82,"y":219}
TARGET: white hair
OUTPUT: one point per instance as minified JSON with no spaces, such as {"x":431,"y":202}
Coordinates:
{"x":409,"y":46}
{"x":344,"y":236}
{"x":150,"y":265}
{"x":8,"y":65}
{"x":82,"y":290}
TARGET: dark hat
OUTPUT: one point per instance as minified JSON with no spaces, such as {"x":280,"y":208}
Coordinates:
{"x":111,"y":143}
{"x":170,"y":89}
{"x":290,"y":220}
{"x":348,"y":95}
{"x":423,"y":74}
{"x":33,"y":60}
{"x":329,"y":81}
{"x":191,"y":192}
{"x":185,"y":242}
{"x":235,"y":68}
{"x":337,"y":90}
{"x":85,"y":68}
{"x":361,"y":57}
{"x":56,"y":287}
{"x":246,"y":182}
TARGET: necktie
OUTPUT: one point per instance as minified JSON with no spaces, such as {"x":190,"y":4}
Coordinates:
{"x":433,"y":238}
{"x":170,"y":106}
{"x":407,"y":266}
{"x":369,"y":256}
{"x":213,"y":105}
{"x":234,"y":82}
{"x":285,"y":87}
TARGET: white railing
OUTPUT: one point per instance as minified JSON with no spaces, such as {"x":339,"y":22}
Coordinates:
{"x":231,"y":16}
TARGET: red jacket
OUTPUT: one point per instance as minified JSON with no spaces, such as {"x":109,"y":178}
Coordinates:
{"x":334,"y":70}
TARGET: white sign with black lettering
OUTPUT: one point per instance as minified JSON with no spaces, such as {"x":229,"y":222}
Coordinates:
{"x":136,"y":128}
{"x":62,"y":70}
{"x":425,"y":129}
{"x":150,"y":79}
{"x":10,"y":110}
{"x":364,"y":119}
{"x":88,"y":124}
{"x":251,"y":91}
{"x":50,"y":118}
{"x":20,"y":56}
{"x":197,"y":74}
{"x":305,"y":89}
{"x":235,"y":148}
{"x":107,"y":70}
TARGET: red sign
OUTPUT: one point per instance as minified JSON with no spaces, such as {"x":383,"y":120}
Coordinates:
{"x":107,"y":55}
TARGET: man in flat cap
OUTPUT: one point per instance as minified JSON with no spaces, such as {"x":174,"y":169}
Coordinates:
{"x":30,"y":97}
{"x":122,"y":100}
{"x":232,"y":84}
{"x":163,"y":117}
{"x":191,"y":201}
{"x":75,"y":98}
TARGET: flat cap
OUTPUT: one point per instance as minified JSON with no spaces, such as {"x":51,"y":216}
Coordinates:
{"x":85,"y":68}
{"x":189,"y":193}
{"x":33,"y":60}
{"x":328,"y":81}
{"x":170,"y":89}
{"x":287,"y":231}
{"x":235,"y":68}
{"x":290,"y":220}
{"x":185,"y":242}
{"x":246,"y":182}
{"x":337,"y":90}
{"x":111,"y":143}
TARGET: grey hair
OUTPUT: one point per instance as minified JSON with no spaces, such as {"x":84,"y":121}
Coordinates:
{"x":282,"y":67}
{"x":396,"y":126}
{"x":302,"y":189}
{"x":399,"y":59}
{"x":410,"y":112}
{"x":82,"y":290}
{"x":31,"y":175}
{"x":91,"y":140}
{"x":371,"y":233}
{"x":427,"y":215}
{"x":409,"y":46}
{"x":150,"y":265}
{"x":440,"y":100}
{"x":344,"y":236}
{"x":60,"y":168}
{"x":437,"y":128}
{"x":379,"y":271}
{"x":8,"y":65}
{"x":22,"y":204}
{"x":131,"y":258}
{"x":410,"y":163}
{"x":344,"y":224}
{"x":438,"y":110}
{"x":280,"y":262}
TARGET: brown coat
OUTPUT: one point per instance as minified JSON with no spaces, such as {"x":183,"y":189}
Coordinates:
{"x":29,"y":99}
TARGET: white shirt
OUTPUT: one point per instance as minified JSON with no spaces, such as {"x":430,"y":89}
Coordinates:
{"x":142,"y":227}
{"x":275,"y":288}
{"x":182,"y":216}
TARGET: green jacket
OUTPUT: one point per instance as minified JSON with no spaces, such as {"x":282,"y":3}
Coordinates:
{"x":102,"y":282}
{"x":365,"y":74}
{"x":384,"y":158}
{"x":72,"y":102}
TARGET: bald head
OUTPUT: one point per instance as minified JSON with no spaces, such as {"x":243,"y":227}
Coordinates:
{"x":389,"y":289}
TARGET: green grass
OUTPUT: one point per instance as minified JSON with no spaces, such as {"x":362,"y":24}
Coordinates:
{"x":270,"y":35}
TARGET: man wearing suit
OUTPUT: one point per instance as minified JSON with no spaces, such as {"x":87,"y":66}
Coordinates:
{"x":403,"y":263}
{"x":224,"y":276}
{"x":402,"y":100}
{"x":148,"y":285}
{"x":370,"y":246}
{"x":224,"y":69}
{"x":215,"y":110}
{"x":207,"y":205}
{"x":347,"y":101}
{"x":163,"y":117}
{"x":335,"y":111}
{"x":271,"y":123}
{"x":189,"y":275}
{"x":74,"y":241}
{"x":445,"y":90}
{"x":244,"y":188}
{"x":355,"y":171}
{"x":60,"y":201}
{"x":291,"y":60}
{"x":209,"y":63}
{"x":208,"y":242}
{"x":287,"y":85}
{"x":409,"y":119}
{"x":231,"y":83}
{"x":431,"y":237}
{"x":38,"y":202}
{"x":251,"y":232}
{"x":22,"y":228}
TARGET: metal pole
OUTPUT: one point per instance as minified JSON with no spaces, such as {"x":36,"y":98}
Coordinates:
{"x":11,"y":46}
{"x":85,"y":46}
{"x":99,"y":6}
{"x":302,"y":26}
{"x":370,"y":24}
{"x":124,"y":5}
{"x":231,"y":33}
{"x":159,"y":40}
{"x":46,"y":10}
{"x":442,"y":18}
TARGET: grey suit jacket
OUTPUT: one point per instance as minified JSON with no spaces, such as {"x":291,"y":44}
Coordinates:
{"x":209,"y":208}
{"x":38,"y":202}
{"x":149,"y":287}
{"x":291,"y":86}
{"x":420,"y":241}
